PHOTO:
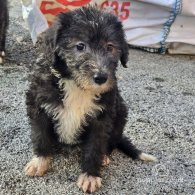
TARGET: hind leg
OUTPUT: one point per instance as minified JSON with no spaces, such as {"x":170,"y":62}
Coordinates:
{"x":105,"y":160}
{"x":147,"y":157}
{"x":118,"y":140}
{"x":129,"y":149}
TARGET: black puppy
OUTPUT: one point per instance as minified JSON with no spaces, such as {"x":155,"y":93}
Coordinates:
{"x":4,"y":19}
{"x":73,"y":96}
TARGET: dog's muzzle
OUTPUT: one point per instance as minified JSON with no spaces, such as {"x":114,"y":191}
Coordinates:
{"x":100,"y":78}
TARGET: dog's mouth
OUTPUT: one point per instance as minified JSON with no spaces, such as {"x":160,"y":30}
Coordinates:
{"x":99,"y":84}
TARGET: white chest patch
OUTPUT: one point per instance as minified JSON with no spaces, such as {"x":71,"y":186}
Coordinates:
{"x":77,"y":104}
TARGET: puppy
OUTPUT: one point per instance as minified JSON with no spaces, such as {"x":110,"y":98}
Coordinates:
{"x":4,"y":19}
{"x":73,"y":96}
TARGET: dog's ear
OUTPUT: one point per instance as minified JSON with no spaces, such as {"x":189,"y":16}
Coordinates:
{"x":124,"y":54}
{"x":61,"y":25}
{"x":58,"y":38}
{"x":53,"y":34}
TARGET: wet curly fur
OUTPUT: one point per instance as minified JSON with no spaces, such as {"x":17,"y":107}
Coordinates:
{"x":73,"y":97}
{"x":4,"y":20}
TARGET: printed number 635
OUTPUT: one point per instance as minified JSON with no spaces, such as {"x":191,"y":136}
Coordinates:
{"x":122,"y":11}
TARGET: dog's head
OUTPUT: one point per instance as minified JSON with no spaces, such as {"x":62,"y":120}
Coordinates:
{"x":87,"y":45}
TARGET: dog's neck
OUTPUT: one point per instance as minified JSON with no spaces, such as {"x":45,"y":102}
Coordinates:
{"x":77,"y":104}
{"x":71,"y":89}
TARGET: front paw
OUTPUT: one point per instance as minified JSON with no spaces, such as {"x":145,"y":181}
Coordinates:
{"x":89,"y":183}
{"x":38,"y":166}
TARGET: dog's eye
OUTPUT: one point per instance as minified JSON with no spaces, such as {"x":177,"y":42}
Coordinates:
{"x":110,"y":48}
{"x":81,"y":46}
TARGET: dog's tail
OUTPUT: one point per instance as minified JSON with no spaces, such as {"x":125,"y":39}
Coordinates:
{"x":130,"y":150}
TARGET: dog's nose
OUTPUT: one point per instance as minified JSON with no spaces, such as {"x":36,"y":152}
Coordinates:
{"x":100,"y":78}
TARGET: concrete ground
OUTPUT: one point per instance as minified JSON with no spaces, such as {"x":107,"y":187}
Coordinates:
{"x":160,"y":93}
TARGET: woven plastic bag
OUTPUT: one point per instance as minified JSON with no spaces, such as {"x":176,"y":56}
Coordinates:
{"x":154,"y":25}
